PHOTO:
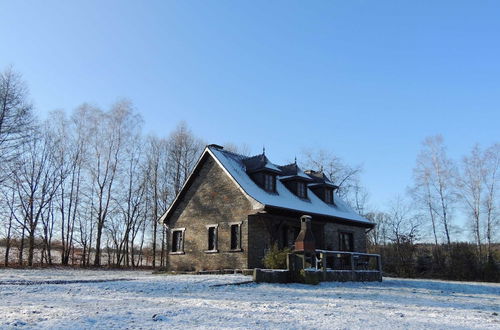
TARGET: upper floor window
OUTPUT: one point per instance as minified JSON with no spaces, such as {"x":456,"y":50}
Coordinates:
{"x":301,"y":190}
{"x":328,"y":196}
{"x":269,"y":182}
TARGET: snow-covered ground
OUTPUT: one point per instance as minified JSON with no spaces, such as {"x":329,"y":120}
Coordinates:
{"x":92,"y":299}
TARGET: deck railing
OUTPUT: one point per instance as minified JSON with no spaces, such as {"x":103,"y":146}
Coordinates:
{"x":347,"y":261}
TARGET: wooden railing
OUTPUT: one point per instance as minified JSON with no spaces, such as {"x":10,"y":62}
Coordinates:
{"x":347,"y":261}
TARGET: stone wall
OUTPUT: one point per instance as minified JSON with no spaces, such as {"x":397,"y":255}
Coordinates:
{"x":332,"y":231}
{"x":259,"y":240}
{"x":212,"y":198}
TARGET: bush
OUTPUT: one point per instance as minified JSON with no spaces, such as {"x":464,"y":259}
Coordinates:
{"x":275,"y":258}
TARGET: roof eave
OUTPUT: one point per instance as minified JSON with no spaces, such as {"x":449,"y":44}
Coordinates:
{"x":366,"y":224}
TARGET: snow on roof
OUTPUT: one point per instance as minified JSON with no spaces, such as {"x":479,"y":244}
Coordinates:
{"x":234,"y":165}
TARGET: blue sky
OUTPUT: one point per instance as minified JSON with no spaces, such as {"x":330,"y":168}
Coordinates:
{"x":368,"y":80}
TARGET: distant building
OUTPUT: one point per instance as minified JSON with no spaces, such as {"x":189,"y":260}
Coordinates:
{"x":232,"y":208}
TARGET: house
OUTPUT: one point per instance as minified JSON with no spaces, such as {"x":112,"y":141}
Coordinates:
{"x":232,"y":208}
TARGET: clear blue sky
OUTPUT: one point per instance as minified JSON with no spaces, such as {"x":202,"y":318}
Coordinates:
{"x":365,"y":79}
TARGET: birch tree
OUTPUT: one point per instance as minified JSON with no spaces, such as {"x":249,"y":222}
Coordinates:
{"x":435,"y":179}
{"x":491,"y":200}
{"x":471,"y":189}
{"x":109,"y":132}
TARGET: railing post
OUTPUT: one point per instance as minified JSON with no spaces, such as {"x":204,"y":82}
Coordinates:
{"x":379,"y":264}
{"x":323,"y":261}
{"x":352,"y":262}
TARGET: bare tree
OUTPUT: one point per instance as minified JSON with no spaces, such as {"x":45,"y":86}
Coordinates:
{"x":436,"y":176}
{"x":242,"y":149}
{"x":422,"y":196}
{"x":491,"y":201}
{"x":35,"y":181}
{"x":471,"y":191}
{"x":379,"y":235}
{"x":183,"y":151}
{"x":403,"y":222}
{"x":340,"y":173}
{"x":158,"y":189}
{"x":110,"y":131}
{"x":15,"y":118}
{"x":8,"y":202}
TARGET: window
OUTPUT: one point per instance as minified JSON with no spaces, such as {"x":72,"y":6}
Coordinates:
{"x":269,"y":182}
{"x":235,"y":236}
{"x":212,"y":238}
{"x":301,"y":190}
{"x":346,"y":242}
{"x":328,"y":196}
{"x":177,"y":241}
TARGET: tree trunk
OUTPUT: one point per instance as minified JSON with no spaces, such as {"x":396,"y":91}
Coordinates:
{"x":31,"y":247}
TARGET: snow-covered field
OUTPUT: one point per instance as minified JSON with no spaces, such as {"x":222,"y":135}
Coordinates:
{"x":62,"y":298}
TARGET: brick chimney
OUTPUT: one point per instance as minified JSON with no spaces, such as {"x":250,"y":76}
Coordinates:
{"x":305,"y":240}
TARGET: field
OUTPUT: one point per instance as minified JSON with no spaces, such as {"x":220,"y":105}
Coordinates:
{"x":63,"y":298}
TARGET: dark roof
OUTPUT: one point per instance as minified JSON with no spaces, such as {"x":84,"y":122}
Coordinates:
{"x":237,"y":166}
{"x":260,"y":163}
{"x":293,"y":172}
{"x":320,"y":179}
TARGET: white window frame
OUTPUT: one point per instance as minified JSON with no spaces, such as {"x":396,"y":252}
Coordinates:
{"x":183,"y":236}
{"x":216,"y":238}
{"x":238,"y":248}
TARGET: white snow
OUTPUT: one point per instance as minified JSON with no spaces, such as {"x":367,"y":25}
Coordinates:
{"x":285,"y":198}
{"x":191,"y":301}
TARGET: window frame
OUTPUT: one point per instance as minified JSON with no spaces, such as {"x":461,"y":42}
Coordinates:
{"x":304,"y":189}
{"x":342,"y":241}
{"x":216,"y":238}
{"x":272,"y":182}
{"x":328,"y":195}
{"x":238,"y":247}
{"x":183,"y":239}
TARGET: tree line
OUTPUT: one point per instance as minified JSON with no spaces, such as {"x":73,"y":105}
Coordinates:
{"x":87,"y":187}
{"x":420,"y":235}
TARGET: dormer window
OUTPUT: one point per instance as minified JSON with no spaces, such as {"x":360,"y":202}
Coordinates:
{"x":269,"y":182}
{"x":301,"y":190}
{"x":328,"y":196}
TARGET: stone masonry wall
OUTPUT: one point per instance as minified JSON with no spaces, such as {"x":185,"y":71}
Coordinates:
{"x":332,"y":231}
{"x":259,"y":240}
{"x":212,"y":198}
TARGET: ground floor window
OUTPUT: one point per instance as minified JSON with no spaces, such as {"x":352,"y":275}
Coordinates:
{"x":177,"y":241}
{"x":346,"y":242}
{"x":235,"y":236}
{"x":212,"y":238}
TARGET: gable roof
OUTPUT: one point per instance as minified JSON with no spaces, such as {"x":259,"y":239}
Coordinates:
{"x":234,"y":165}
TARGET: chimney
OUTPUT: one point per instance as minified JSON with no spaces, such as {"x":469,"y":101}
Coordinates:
{"x":305,"y":240}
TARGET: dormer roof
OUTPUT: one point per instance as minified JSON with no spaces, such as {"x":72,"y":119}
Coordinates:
{"x":293,"y":172}
{"x":319,"y":179}
{"x":260,"y":163}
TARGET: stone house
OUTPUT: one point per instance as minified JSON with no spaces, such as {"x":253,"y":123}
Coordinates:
{"x":233,"y":208}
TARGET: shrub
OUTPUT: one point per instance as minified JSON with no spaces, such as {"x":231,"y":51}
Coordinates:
{"x":275,"y":258}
